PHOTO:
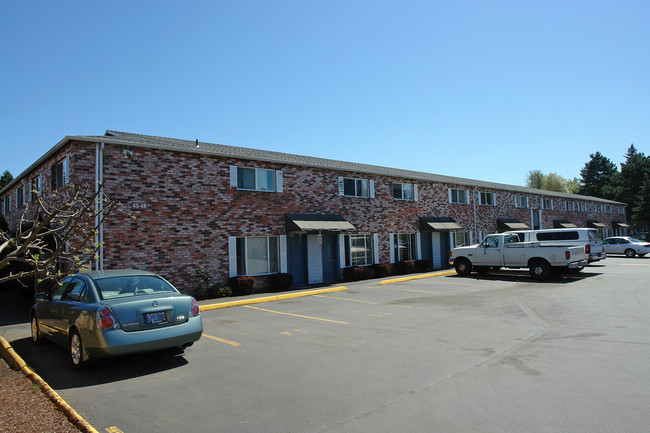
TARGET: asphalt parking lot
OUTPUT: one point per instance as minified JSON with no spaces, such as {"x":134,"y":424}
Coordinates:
{"x":496,"y":353}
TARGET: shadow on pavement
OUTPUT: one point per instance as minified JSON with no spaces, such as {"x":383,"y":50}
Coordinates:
{"x":50,"y":361}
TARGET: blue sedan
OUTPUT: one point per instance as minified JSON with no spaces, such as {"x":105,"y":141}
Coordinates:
{"x":107,"y":313}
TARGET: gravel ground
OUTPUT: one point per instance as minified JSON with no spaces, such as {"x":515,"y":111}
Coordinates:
{"x":24,"y":408}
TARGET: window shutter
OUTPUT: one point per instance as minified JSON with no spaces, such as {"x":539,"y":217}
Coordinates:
{"x":415,"y":192}
{"x":232,"y":255}
{"x":66,"y":170}
{"x":392,"y":247}
{"x":418,"y":249}
{"x":449,"y":193}
{"x":233,"y":176}
{"x":372,"y":189}
{"x":278,"y":180}
{"x":283,"y":253}
{"x":467,"y":196}
{"x":375,"y":248}
{"x":341,"y":185}
{"x":342,"y":258}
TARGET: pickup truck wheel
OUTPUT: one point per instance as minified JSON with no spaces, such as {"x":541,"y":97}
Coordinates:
{"x":463,"y":267}
{"x":630,"y":252}
{"x":540,"y":270}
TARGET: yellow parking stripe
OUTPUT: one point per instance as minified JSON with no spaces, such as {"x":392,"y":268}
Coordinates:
{"x":296,"y":315}
{"x":346,"y":299}
{"x":221,"y":340}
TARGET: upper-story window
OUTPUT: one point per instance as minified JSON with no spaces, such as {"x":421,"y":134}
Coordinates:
{"x":35,"y":188}
{"x":256,"y":179}
{"x":60,"y":174}
{"x":487,"y":199}
{"x":569,"y":206}
{"x":351,"y":187}
{"x":405,"y":191}
{"x":608,"y":209}
{"x":458,"y":196}
{"x":6,"y":208}
{"x":20,"y":196}
{"x":621,"y":210}
{"x":547,"y":204}
{"x":581,"y":206}
{"x":521,"y":201}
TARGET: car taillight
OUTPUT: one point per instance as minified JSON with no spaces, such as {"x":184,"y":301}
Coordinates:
{"x":567,"y":254}
{"x":587,"y":249}
{"x":194,"y":309}
{"x":106,"y":319}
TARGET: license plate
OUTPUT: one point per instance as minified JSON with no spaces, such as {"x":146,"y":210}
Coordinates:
{"x":154,"y":318}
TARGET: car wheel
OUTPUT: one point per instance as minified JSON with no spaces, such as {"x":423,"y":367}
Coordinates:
{"x":540,"y":270}
{"x":463,"y":267}
{"x":76,"y":351}
{"x":37,"y":338}
{"x":630,"y":252}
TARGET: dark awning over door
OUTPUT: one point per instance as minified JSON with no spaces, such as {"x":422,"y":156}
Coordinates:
{"x":439,"y":224}
{"x":563,"y":224}
{"x":317,"y":223}
{"x":595,"y":225}
{"x":506,"y":224}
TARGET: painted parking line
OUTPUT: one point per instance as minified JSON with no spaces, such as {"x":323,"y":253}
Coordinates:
{"x":429,"y":292}
{"x":347,"y":299}
{"x":221,"y":340}
{"x":296,"y":315}
{"x":635,"y":264}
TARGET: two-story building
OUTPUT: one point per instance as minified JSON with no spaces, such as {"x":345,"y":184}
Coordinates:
{"x":241,"y":211}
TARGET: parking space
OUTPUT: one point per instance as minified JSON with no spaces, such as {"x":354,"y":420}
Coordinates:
{"x":494,"y":353}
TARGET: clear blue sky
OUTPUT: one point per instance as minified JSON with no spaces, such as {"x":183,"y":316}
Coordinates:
{"x":480,"y":89}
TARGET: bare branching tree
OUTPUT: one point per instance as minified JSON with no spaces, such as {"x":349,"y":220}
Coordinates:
{"x":55,"y":237}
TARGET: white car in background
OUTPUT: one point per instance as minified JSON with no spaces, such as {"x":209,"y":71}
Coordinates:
{"x":626,"y":245}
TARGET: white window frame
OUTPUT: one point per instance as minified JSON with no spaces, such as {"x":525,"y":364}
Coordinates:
{"x":454,"y":238}
{"x":455,"y":192}
{"x":582,"y":206}
{"x":277,"y":179}
{"x":35,"y":185}
{"x":547,"y":203}
{"x":412,"y":247}
{"x":483,"y":201}
{"x":569,"y":206}
{"x":369,"y":249}
{"x":518,"y":201}
{"x":599,"y":208}
{"x":235,"y":265}
{"x":411,"y":187}
{"x":20,"y":196}
{"x":370,"y":187}
{"x":6,"y":204}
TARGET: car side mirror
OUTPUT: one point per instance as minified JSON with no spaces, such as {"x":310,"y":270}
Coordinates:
{"x":42,"y":296}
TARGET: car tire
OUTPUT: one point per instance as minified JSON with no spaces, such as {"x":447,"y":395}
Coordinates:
{"x":37,"y":337}
{"x":463,"y":266}
{"x":76,"y":351}
{"x":630,"y":252}
{"x":540,"y":270}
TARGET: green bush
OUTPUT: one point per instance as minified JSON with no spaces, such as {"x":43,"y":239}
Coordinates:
{"x":241,"y":285}
{"x":280,"y":281}
{"x":353,"y":273}
{"x":423,"y":265}
{"x":405,"y":267}
{"x":216,"y":291}
{"x":381,"y":270}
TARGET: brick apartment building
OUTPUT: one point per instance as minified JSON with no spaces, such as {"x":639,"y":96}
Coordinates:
{"x":240,"y":211}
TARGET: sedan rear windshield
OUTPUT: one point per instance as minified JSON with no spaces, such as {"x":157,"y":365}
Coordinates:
{"x":117,"y":287}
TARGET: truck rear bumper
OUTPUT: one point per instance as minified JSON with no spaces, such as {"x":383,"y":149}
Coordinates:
{"x":580,"y":264}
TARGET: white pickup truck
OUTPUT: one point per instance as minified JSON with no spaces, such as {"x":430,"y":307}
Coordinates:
{"x":505,"y":250}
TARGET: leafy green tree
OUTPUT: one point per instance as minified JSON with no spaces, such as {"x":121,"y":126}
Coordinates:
{"x":635,"y":183}
{"x":573,"y":185}
{"x":600,"y":178}
{"x":5,"y":179}
{"x":555,"y":182}
{"x":535,"y":179}
{"x":551,"y":182}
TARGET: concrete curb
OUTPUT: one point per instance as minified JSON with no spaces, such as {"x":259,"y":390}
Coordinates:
{"x":17,"y":363}
{"x":239,"y":303}
{"x":416,"y":277}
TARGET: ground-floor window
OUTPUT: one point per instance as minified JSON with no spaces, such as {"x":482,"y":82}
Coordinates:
{"x":460,"y":239}
{"x":404,"y":247}
{"x":358,"y":250}
{"x":257,"y":255}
